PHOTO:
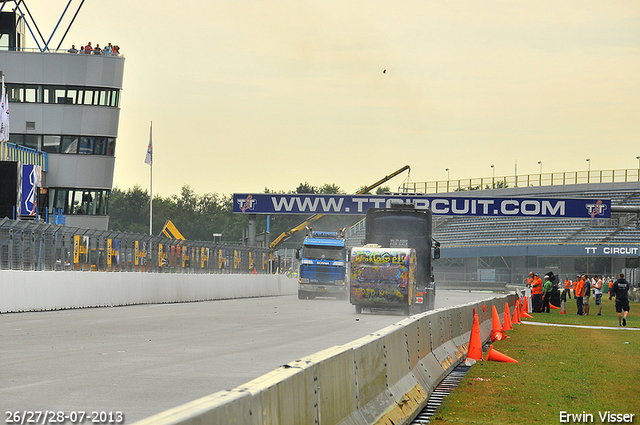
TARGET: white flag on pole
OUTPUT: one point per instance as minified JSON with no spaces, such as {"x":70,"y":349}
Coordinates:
{"x":4,"y":110}
{"x":149,"y":158}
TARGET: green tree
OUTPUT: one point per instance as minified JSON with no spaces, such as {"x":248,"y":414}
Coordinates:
{"x":382,"y":190}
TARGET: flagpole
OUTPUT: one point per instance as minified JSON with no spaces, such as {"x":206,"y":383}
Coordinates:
{"x":151,"y":186}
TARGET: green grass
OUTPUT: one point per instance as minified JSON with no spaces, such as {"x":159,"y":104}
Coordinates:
{"x":560,"y":369}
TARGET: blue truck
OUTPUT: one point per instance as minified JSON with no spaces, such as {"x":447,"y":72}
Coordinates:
{"x":322,"y":265}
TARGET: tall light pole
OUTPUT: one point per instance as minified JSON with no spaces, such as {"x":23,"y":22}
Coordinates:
{"x":540,"y":177}
{"x":493,"y":179}
{"x":638,"y":158}
{"x":447,"y":170}
{"x":588,"y":170}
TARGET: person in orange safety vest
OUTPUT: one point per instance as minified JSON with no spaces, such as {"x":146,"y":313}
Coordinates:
{"x":536,"y":291}
{"x":579,"y":293}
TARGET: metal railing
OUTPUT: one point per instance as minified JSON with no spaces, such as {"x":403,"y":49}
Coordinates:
{"x":26,"y":245}
{"x":12,"y":152}
{"x":527,"y":180}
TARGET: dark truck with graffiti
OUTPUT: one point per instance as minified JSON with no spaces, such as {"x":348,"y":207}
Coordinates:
{"x":393,"y":269}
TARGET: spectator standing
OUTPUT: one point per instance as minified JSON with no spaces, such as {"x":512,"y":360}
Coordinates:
{"x":587,"y":295}
{"x":536,"y":291}
{"x":610,"y":286}
{"x":73,"y":49}
{"x":88,"y":49}
{"x":579,"y":294}
{"x":107,"y":50}
{"x":620,"y":290}
{"x":546,"y":294}
{"x":97,"y":50}
{"x":567,"y":290}
{"x":597,"y":293}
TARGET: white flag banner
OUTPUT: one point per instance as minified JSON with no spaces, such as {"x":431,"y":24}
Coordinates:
{"x":149,"y":158}
{"x":4,"y":110}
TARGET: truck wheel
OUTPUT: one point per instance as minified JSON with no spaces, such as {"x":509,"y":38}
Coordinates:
{"x":358,"y":309}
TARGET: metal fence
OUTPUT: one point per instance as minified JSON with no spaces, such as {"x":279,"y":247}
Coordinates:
{"x":26,"y":245}
{"x":527,"y":180}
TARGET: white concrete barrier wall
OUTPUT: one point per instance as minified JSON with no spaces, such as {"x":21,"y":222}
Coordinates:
{"x":383,"y":378}
{"x":36,"y":291}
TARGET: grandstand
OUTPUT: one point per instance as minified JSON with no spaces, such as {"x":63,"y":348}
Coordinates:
{"x":511,"y":247}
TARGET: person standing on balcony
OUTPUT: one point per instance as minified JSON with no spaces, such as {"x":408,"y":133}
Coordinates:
{"x":88,"y":49}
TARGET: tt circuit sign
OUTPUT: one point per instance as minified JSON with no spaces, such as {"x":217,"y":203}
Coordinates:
{"x":269,"y":203}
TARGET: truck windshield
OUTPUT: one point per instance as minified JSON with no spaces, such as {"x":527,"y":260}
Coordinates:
{"x":400,"y":225}
{"x":334,"y":253}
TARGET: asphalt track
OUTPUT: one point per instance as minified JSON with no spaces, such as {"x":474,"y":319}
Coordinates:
{"x":141,"y":360}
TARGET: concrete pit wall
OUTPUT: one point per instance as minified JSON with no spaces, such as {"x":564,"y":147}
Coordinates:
{"x":56,"y":290}
{"x":383,"y":378}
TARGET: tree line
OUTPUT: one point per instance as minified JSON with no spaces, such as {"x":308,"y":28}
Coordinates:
{"x":199,"y":216}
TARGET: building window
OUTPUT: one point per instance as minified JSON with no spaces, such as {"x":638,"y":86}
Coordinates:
{"x":33,"y":94}
{"x":32,"y":141}
{"x":51,"y":144}
{"x":70,"y":95}
{"x":79,"y":201}
{"x":86,"y":146}
{"x":69,"y":144}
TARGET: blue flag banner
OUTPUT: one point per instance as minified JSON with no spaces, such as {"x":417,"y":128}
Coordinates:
{"x":271,"y":203}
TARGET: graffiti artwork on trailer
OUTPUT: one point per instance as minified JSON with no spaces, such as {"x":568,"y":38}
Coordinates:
{"x":382,"y":276}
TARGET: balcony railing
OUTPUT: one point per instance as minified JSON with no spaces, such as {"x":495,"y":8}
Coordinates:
{"x":28,"y":156}
{"x":527,"y":180}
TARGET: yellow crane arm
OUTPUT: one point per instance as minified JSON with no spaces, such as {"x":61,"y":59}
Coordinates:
{"x":291,"y":232}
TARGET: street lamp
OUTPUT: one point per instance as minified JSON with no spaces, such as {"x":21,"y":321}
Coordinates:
{"x":447,"y":170}
{"x":589,"y":170}
{"x":638,"y":158}
{"x":540,"y":164}
{"x":493,"y":179}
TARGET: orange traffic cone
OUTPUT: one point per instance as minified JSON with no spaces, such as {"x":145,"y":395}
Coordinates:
{"x":496,"y":356}
{"x":516,"y":313}
{"x":554,"y":307}
{"x":497,"y":333}
{"x":506,"y":320}
{"x":524,"y":312}
{"x":525,"y":305}
{"x":562,"y":310}
{"x":475,"y":342}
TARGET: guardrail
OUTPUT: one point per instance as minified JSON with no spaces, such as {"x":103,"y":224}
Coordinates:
{"x":383,"y":378}
{"x":12,"y":152}
{"x":31,"y":246}
{"x":526,"y":180}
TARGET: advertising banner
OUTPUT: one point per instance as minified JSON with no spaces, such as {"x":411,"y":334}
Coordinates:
{"x":30,"y":184}
{"x":271,"y":203}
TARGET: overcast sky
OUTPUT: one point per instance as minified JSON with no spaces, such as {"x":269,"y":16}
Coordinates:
{"x":246,"y":94}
